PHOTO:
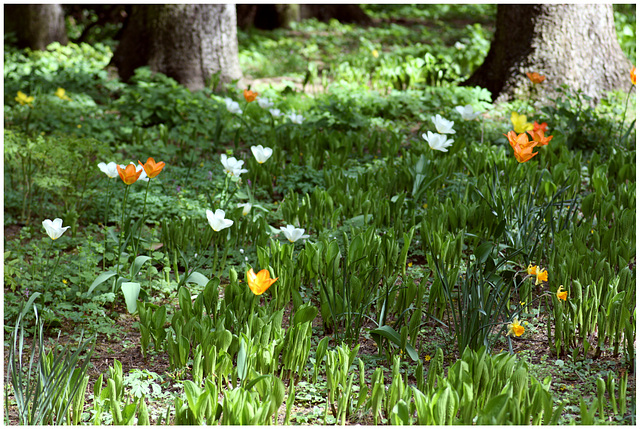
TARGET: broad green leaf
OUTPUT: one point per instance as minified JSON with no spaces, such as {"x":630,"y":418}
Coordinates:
{"x":305,"y":314}
{"x":242,"y":360}
{"x":483,"y":251}
{"x":193,"y":393}
{"x":389,"y":333}
{"x":131,"y":291}
{"x":137,"y":264}
{"x":101,"y":279}
{"x":197,"y":278}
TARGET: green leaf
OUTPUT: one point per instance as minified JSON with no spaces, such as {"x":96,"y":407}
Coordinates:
{"x":242,"y":360}
{"x":400,"y":413}
{"x":305,"y":314}
{"x":390,"y":334}
{"x":483,"y":251}
{"x":197,"y":278}
{"x":101,"y":279}
{"x":131,"y":291}
{"x":27,"y":306}
{"x":193,"y":393}
{"x":137,"y":264}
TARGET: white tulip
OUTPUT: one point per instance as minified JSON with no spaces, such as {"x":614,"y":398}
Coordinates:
{"x":292,"y":233}
{"x":245,"y":209}
{"x":232,"y":166}
{"x":109,"y":169}
{"x":261,"y":153}
{"x":467,"y":112}
{"x":233,"y":106}
{"x":437,"y":141}
{"x":265,"y":103}
{"x":276,"y":113}
{"x":443,"y":126}
{"x":54,"y":228}
{"x":296,"y":119}
{"x":217,"y":220}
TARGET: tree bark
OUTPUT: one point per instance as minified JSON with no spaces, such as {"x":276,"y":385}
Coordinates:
{"x":350,"y":13}
{"x":573,"y":44}
{"x":190,"y":43}
{"x":36,"y":25}
{"x":266,"y":16}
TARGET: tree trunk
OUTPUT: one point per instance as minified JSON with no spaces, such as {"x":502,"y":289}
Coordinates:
{"x":188,"y":42}
{"x":36,"y":25}
{"x":266,"y":16}
{"x":573,"y":44}
{"x":351,"y":13}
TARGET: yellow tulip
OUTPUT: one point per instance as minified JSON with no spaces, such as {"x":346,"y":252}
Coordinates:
{"x":520,"y":124}
{"x":259,"y":283}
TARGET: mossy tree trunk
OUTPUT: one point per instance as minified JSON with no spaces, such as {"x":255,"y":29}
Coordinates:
{"x":188,"y":42}
{"x":573,"y":44}
{"x":35,"y":25}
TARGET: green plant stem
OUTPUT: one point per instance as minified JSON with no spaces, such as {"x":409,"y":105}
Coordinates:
{"x":26,"y":122}
{"x":106,"y":220}
{"x":124,"y":205}
{"x":46,"y":267}
{"x":624,"y":114}
{"x":144,"y":207}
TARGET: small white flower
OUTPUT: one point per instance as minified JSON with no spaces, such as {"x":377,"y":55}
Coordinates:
{"x":217,"y":220}
{"x":246,"y":208}
{"x":233,"y":106}
{"x":54,"y":228}
{"x":232,"y":166}
{"x":292,"y":233}
{"x":467,"y":112}
{"x":296,"y":119}
{"x":109,"y":169}
{"x":276,"y":113}
{"x":265,"y":103}
{"x":437,"y":141}
{"x":261,"y":153}
{"x":242,"y":251}
{"x":143,"y":175}
{"x":442,"y":125}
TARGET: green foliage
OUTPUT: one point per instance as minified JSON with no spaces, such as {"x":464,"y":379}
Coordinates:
{"x":42,"y":176}
{"x":409,"y":248}
{"x":625,"y":21}
{"x":49,"y":389}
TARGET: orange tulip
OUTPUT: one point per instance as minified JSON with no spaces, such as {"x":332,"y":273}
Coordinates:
{"x":521,"y":145}
{"x":542,"y":126}
{"x":535,"y":77}
{"x":250,"y":95}
{"x":129,"y":175}
{"x":259,"y":283}
{"x":539,"y":137}
{"x":633,"y":75}
{"x":151,"y":167}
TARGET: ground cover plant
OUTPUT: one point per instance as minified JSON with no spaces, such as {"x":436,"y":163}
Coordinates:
{"x":352,"y":239}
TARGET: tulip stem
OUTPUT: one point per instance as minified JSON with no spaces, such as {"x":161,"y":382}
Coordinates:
{"x":106,"y":220}
{"x":124,"y":204}
{"x":46,"y":270}
{"x":250,"y":318}
{"x":144,"y":207}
